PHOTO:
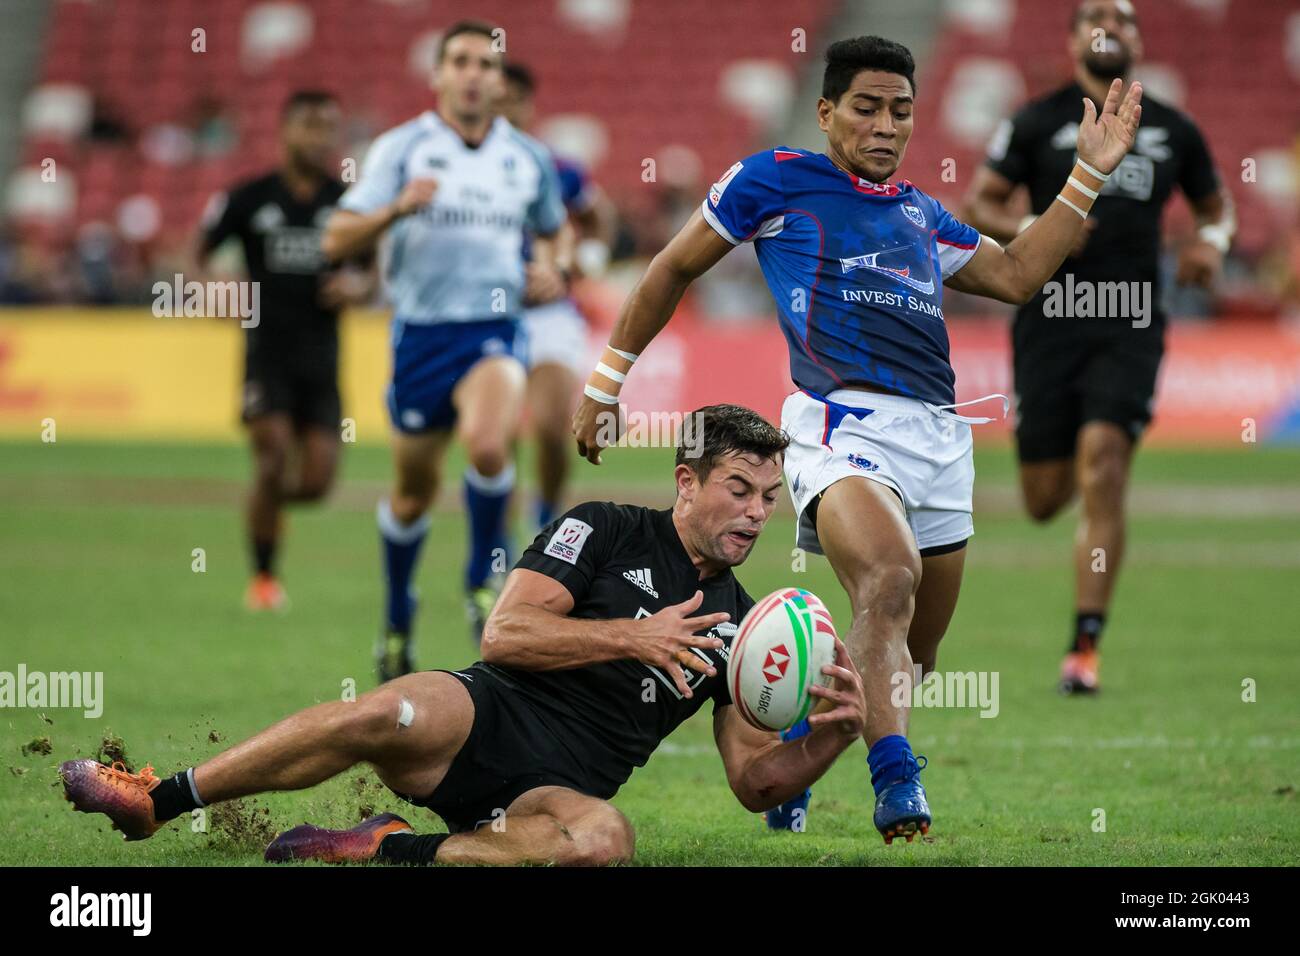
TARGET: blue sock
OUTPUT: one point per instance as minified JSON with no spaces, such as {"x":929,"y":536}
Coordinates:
{"x":401,"y":544}
{"x":887,"y":759}
{"x":486,"y":500}
{"x":785,"y":817}
{"x":545,"y":512}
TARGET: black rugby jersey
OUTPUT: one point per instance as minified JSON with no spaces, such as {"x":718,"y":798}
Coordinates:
{"x":281,"y":235}
{"x":1037,"y":148}
{"x":618,"y":562}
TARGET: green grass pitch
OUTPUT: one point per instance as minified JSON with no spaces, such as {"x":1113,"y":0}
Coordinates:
{"x":96,"y":544}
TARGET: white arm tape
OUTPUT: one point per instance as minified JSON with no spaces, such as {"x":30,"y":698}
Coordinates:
{"x":630,"y":356}
{"x":613,"y":374}
{"x":1077,"y":184}
{"x":591,"y":391}
{"x":1217,"y":235}
{"x":1088,"y":169}
{"x":1060,"y":198}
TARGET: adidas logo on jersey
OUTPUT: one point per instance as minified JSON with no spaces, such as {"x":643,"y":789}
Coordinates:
{"x":642,"y":580}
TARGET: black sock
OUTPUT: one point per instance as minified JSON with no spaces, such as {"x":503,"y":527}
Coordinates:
{"x":1087,"y":631}
{"x":263,"y":555}
{"x":173,"y":797}
{"x":417,"y":849}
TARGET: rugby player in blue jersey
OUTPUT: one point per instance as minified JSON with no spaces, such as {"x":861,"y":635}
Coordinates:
{"x":879,"y":465}
{"x":452,"y":193}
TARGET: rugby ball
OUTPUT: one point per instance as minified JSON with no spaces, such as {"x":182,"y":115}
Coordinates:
{"x":778,"y":653}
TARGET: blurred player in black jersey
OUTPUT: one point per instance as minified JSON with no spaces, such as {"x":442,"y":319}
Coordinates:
{"x":1085,"y":386}
{"x":291,"y":395}
{"x":613,"y":629}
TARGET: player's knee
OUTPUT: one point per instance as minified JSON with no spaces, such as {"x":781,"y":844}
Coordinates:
{"x":1104,"y":474}
{"x":314,"y":487}
{"x":488,"y":456}
{"x":1046,"y":495}
{"x":269,"y":465}
{"x":606,"y":839}
{"x":1044,"y":506}
{"x":887,"y":589}
{"x":373,"y":722}
{"x":407,"y":507}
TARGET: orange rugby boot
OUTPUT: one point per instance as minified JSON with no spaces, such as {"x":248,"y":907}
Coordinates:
{"x":120,"y":795}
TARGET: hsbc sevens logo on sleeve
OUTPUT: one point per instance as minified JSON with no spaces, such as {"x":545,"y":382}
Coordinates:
{"x":567,"y":541}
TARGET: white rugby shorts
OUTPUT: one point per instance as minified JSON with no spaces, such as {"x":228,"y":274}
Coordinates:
{"x":920,"y":451}
{"x":556,"y":333}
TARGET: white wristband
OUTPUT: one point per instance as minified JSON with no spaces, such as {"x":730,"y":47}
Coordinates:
{"x":1088,"y":169}
{"x":1078,"y":184}
{"x":613,"y":374}
{"x":1217,"y":235}
{"x":1082,"y":214}
{"x":591,"y":391}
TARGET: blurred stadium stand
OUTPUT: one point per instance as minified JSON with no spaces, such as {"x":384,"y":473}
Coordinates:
{"x":143,"y":129}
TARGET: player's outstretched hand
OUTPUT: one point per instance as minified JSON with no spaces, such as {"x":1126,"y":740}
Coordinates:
{"x":595,"y":426}
{"x":1103,"y":140}
{"x":416,"y":193}
{"x":849,"y":713}
{"x":665,"y":638}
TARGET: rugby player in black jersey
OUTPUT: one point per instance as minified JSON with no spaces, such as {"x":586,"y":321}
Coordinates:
{"x":291,"y":395}
{"x":612,"y":629}
{"x":1085,"y":386}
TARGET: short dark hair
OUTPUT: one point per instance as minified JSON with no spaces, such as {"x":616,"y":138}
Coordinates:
{"x":1077,"y":15}
{"x":845,"y":59}
{"x":718,"y":430}
{"x":477,"y":27}
{"x":521,"y":76}
{"x":303,"y":98}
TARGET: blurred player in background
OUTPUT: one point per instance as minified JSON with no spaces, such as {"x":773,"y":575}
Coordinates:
{"x":556,"y":333}
{"x":291,"y":394}
{"x":879,"y":466}
{"x":452,"y":191}
{"x":1085,"y":386}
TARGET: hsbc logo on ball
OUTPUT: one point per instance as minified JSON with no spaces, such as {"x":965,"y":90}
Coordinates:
{"x":778,"y":659}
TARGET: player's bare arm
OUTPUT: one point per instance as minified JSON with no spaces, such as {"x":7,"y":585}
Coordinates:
{"x":695,"y":250}
{"x":991,"y":206}
{"x":1201,"y":260}
{"x":349,"y":233}
{"x":1016,"y":273}
{"x":995,"y":207}
{"x":764,"y":772}
{"x":529,"y":628}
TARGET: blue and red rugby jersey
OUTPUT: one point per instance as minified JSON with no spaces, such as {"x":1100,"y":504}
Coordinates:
{"x":856,"y":269}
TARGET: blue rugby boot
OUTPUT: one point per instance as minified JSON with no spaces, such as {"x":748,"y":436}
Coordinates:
{"x":901,"y":807}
